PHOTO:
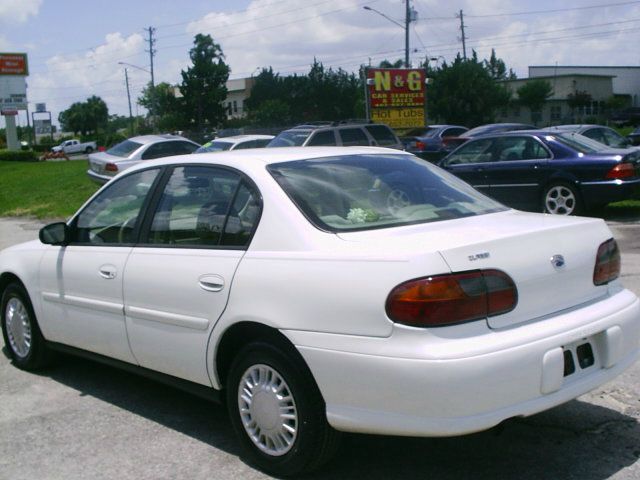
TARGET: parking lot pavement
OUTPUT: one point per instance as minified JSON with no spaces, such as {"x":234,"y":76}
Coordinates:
{"x":81,"y":420}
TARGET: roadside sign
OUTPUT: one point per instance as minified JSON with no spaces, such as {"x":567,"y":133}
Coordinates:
{"x":396,"y":96}
{"x":14,"y":64}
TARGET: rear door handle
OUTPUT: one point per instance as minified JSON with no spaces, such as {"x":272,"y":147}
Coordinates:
{"x":108,"y":272}
{"x":211,"y":283}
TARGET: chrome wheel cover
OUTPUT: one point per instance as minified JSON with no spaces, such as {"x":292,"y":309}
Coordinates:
{"x":267,"y":410}
{"x":18,"y":326}
{"x":560,"y":200}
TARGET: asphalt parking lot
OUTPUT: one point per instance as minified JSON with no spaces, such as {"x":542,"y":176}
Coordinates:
{"x":80,"y":420}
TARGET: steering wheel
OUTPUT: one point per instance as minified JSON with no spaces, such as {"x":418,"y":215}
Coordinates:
{"x":128,"y":223}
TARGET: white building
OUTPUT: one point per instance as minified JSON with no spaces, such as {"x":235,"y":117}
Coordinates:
{"x":238,"y":90}
{"x":626,"y":80}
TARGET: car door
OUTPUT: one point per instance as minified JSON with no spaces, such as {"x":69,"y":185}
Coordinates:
{"x":177,"y":279}
{"x":469,"y":162}
{"x":517,"y":176}
{"x":82,"y":283}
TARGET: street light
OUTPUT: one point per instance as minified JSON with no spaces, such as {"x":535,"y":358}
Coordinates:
{"x":134,"y":66}
{"x":410,"y":15}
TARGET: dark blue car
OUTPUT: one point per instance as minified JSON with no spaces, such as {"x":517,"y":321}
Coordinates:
{"x":432,"y":143}
{"x":561,"y":173}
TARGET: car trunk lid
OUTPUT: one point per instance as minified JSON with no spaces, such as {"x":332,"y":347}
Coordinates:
{"x":550,"y":258}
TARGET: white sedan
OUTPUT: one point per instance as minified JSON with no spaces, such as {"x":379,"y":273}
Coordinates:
{"x":323,"y":290}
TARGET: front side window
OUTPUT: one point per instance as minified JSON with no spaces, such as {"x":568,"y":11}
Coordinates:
{"x":475,"y":151}
{"x":204,"y":207}
{"x":360,"y":192}
{"x":323,"y":138}
{"x":112,"y":216}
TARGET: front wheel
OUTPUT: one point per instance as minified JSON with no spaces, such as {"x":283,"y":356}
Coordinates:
{"x":88,"y":150}
{"x":561,"y":199}
{"x":26,"y":345}
{"x":278,"y":412}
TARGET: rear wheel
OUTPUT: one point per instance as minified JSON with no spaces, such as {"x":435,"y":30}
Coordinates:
{"x":26,"y":345}
{"x":278,"y":412}
{"x":561,"y":198}
{"x":88,"y":150}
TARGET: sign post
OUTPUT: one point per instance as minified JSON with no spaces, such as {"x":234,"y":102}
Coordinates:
{"x":396,"y":96}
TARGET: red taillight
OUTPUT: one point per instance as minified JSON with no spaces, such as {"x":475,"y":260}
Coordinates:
{"x":452,"y":298}
{"x":420,"y":145}
{"x":622,"y":170}
{"x":607,"y":266}
{"x":111,"y":167}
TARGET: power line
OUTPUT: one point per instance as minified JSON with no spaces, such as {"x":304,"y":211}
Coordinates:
{"x":556,"y":10}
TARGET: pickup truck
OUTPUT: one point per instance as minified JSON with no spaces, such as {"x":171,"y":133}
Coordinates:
{"x":74,"y":146}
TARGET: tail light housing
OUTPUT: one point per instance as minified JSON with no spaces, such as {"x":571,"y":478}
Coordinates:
{"x":442,"y":300}
{"x":420,"y":145}
{"x":622,"y":170}
{"x":111,"y":167}
{"x":607,"y":266}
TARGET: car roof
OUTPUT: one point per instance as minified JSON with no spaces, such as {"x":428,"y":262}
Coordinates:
{"x":258,"y":158}
{"x":145,"y":139}
{"x":242,"y":138}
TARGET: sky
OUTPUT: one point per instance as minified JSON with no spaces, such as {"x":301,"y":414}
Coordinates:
{"x":74,"y":47}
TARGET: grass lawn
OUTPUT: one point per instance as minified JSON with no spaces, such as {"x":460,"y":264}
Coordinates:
{"x":43,"y":189}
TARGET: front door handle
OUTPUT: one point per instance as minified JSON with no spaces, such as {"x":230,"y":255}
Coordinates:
{"x":211,"y":283}
{"x":107,"y":272}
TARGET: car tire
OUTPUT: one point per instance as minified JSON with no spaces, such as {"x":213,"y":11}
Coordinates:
{"x":561,"y":198}
{"x":24,"y":341}
{"x":88,"y":150}
{"x":277,"y":411}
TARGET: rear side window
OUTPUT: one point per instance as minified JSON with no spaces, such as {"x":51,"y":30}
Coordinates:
{"x":204,"y":207}
{"x":353,"y":136}
{"x":182,"y":148}
{"x":382,"y":134}
{"x":323,"y":138}
{"x":290,"y":138}
{"x":124,"y":149}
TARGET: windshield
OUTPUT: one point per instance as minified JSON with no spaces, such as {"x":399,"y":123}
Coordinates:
{"x":363,"y":192}
{"x":124,"y":149}
{"x":580,"y":143}
{"x":216,"y":146}
{"x":290,"y":138}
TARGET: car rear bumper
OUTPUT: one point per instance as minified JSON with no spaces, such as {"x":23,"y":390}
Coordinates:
{"x":370,"y":386}
{"x":97,"y":177}
{"x":601,"y":193}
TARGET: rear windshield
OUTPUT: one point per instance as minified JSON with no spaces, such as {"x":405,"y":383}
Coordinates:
{"x":580,"y":143}
{"x":215,"y":146}
{"x":363,"y":192}
{"x":124,"y":149}
{"x":290,"y":138}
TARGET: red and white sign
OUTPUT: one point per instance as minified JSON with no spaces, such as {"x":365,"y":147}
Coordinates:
{"x":14,"y":64}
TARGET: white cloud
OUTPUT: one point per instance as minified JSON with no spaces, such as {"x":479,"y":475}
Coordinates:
{"x":18,"y":11}
{"x":73,"y":78}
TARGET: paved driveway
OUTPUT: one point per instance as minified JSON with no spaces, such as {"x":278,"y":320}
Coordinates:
{"x":83,"y":420}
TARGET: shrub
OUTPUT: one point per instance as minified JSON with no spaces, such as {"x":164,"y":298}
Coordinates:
{"x":18,"y":156}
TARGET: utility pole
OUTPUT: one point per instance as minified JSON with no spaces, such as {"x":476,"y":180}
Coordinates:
{"x":407,"y":19}
{"x":152,"y":52}
{"x":126,"y":78}
{"x":464,"y":38}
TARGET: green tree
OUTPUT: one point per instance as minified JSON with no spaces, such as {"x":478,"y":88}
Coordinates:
{"x":465,"y":93}
{"x":387,"y":64}
{"x":204,"y":84}
{"x":85,"y":117}
{"x":168,"y":109}
{"x":533,"y":95}
{"x":497,"y":68}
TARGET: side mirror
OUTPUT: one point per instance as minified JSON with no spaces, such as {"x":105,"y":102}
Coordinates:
{"x":55,"y":234}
